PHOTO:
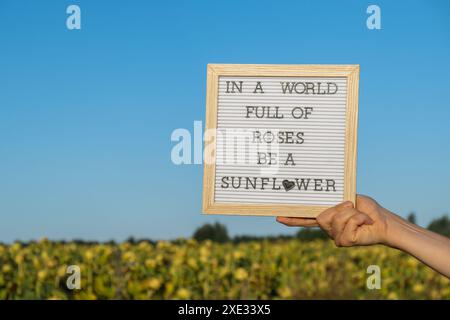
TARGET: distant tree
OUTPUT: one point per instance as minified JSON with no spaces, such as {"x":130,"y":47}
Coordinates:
{"x":111,"y":242}
{"x":441,"y":226}
{"x":215,"y":232}
{"x":412,"y":218}
{"x":308,"y":234}
{"x":246,"y":238}
{"x":131,"y":240}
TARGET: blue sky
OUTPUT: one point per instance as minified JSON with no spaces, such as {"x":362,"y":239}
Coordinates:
{"x":86,"y":115}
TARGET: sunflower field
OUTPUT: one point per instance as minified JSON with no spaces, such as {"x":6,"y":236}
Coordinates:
{"x":186,"y":269}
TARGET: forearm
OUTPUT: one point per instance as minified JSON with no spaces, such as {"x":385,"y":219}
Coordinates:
{"x":429,"y":247}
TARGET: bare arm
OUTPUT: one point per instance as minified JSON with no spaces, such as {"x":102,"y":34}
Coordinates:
{"x":369,"y":223}
{"x":429,"y":247}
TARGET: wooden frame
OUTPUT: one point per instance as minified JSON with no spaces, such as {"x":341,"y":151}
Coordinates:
{"x":351,"y":72}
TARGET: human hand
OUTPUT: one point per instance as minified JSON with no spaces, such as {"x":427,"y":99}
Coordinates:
{"x":366,"y":224}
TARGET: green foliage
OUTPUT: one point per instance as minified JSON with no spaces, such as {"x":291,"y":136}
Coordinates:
{"x":309,"y":234}
{"x":215,"y":232}
{"x":412,"y":218}
{"x":441,"y":226}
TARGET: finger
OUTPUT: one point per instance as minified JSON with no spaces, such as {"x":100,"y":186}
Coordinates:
{"x":325,"y":218}
{"x":340,"y":219}
{"x":349,"y":236}
{"x":298,"y":222}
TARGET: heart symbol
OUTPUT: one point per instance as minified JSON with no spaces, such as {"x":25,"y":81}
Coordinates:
{"x":288,"y":185}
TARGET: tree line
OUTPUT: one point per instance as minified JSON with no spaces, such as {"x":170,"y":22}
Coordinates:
{"x":218,"y":232}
